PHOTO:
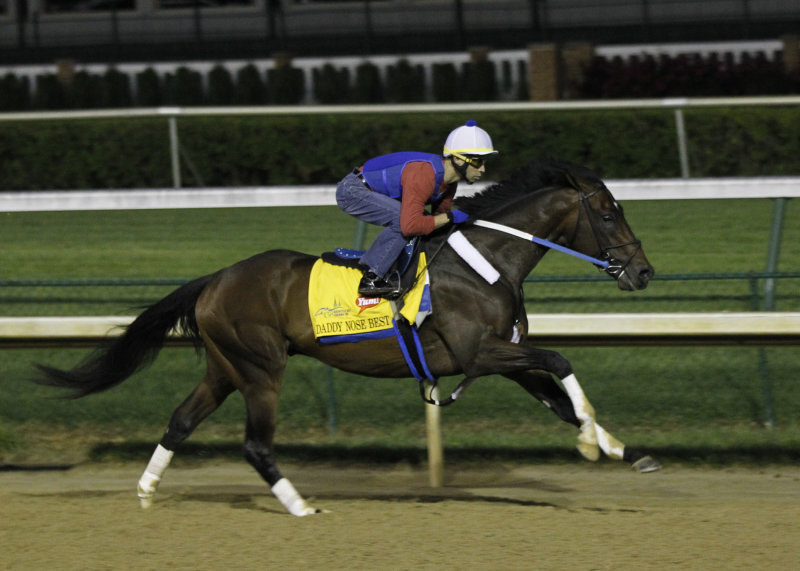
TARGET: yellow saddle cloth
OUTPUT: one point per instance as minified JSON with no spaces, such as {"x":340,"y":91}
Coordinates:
{"x":340,"y":314}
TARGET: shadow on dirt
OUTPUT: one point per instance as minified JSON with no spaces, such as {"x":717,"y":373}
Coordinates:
{"x":345,"y":455}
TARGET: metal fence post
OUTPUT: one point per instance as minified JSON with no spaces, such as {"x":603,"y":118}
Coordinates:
{"x":776,"y":232}
{"x":358,"y":244}
{"x":360,"y":235}
{"x":682,"y":152}
{"x":434,"y":436}
{"x":333,"y":418}
{"x":174,"y":146}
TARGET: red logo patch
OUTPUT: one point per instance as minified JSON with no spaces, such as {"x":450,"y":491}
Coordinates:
{"x":367,"y":302}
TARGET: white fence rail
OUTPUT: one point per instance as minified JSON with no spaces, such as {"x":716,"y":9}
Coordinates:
{"x":557,"y":329}
{"x":324,"y":195}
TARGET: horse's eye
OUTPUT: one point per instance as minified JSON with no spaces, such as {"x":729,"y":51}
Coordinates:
{"x":608,"y":218}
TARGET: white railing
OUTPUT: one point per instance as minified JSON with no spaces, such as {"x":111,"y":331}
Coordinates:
{"x":324,"y":195}
{"x":555,"y":329}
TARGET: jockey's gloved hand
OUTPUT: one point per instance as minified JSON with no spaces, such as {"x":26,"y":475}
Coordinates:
{"x":457,"y":216}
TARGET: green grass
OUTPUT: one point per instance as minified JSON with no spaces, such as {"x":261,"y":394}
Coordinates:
{"x":693,"y":399}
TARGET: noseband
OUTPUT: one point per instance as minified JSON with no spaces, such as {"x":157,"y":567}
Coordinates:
{"x":616,"y":267}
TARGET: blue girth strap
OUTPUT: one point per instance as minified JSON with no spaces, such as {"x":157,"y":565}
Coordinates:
{"x":411,"y":347}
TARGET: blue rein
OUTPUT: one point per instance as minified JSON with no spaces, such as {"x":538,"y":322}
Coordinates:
{"x":541,"y":241}
{"x":548,"y":244}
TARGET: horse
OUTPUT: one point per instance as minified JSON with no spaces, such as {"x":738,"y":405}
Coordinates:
{"x":253,"y":315}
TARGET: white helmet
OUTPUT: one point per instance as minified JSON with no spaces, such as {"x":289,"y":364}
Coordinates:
{"x":469,"y":139}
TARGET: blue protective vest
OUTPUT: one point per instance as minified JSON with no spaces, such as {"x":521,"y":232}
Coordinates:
{"x":383,"y":173}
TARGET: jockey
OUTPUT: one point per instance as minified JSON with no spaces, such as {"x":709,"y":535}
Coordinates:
{"x":393,"y":191}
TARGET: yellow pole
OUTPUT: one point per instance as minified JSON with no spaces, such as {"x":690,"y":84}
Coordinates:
{"x":435,"y":454}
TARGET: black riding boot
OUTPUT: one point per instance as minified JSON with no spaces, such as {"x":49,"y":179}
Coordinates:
{"x":373,"y":285}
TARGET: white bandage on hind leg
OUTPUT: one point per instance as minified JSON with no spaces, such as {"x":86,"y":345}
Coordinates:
{"x":473,"y":257}
{"x":158,"y":464}
{"x":291,"y":499}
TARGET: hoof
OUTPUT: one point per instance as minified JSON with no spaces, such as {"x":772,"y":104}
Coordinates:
{"x":145,"y":498}
{"x":646,"y":464}
{"x":145,"y":495}
{"x":309,"y":511}
{"x":588,"y":451}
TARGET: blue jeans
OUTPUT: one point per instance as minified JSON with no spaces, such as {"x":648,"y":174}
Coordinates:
{"x":353,"y":196}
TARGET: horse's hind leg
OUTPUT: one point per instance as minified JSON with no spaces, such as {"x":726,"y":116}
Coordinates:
{"x":573,"y":407}
{"x":258,"y":450}
{"x":257,"y":364}
{"x":204,"y":400}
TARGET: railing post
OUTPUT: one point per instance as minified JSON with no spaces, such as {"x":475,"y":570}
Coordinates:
{"x":776,"y":232}
{"x":358,"y":244}
{"x":174,"y":146}
{"x":360,"y":235}
{"x":434,"y":437}
{"x":682,"y":152}
{"x":333,"y":418}
{"x":369,"y":32}
{"x":461,"y":41}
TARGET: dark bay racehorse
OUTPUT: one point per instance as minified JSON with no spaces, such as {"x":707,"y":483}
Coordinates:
{"x":251,"y":316}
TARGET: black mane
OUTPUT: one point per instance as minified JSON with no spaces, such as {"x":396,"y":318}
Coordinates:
{"x":534,"y":176}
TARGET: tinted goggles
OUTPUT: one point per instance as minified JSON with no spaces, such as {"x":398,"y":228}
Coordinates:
{"x":476,"y":162}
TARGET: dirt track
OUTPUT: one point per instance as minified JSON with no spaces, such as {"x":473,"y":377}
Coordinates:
{"x":220,"y":516}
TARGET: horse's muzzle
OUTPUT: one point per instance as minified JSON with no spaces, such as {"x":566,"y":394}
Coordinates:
{"x":631,"y":276}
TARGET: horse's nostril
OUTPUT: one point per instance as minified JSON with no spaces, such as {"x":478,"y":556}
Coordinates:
{"x":646,"y":274}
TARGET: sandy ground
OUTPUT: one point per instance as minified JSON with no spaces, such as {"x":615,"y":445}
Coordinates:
{"x":219,"y":515}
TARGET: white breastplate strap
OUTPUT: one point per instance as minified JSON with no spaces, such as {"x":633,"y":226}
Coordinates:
{"x":473,"y":257}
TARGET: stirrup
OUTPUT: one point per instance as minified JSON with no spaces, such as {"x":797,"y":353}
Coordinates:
{"x":373,"y":285}
{"x":389,"y":291}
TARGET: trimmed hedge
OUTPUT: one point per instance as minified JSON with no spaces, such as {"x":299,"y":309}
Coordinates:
{"x":284,"y":85}
{"x":481,"y":80}
{"x":320,"y":149}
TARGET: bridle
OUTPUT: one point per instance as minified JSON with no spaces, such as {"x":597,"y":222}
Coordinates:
{"x":604,"y":260}
{"x":616,"y":267}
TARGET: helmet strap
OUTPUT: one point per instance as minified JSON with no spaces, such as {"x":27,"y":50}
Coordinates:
{"x":460,"y":169}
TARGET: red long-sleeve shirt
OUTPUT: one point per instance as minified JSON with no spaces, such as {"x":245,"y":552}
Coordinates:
{"x":419,"y":182}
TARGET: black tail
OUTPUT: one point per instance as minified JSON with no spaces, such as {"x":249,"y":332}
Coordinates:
{"x":111,"y":364}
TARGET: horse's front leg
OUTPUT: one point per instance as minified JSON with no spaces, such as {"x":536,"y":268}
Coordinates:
{"x":497,"y":355}
{"x":533,"y":374}
{"x":542,"y":386}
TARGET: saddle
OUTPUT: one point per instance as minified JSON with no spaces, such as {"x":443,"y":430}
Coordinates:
{"x":405,"y":265}
{"x":400,"y":317}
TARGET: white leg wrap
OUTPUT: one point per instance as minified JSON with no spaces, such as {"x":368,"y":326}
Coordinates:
{"x":583,"y":409}
{"x":587,"y":439}
{"x":291,"y":499}
{"x":148,"y":483}
{"x":612,"y":447}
